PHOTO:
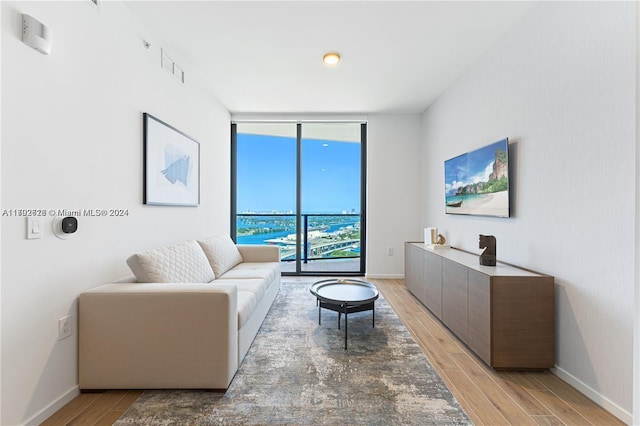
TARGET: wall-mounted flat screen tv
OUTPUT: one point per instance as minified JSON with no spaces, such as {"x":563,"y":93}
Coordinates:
{"x":477,"y":183}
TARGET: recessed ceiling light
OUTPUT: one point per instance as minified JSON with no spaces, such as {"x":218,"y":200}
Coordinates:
{"x":332,"y":58}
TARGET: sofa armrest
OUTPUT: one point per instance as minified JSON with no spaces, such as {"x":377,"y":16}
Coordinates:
{"x":259,"y":253}
{"x":159,"y":335}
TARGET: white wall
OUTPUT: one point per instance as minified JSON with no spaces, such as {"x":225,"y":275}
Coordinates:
{"x":393,"y":191}
{"x":636,"y":340}
{"x":1,"y":10}
{"x":72,"y":139}
{"x":561,"y":86}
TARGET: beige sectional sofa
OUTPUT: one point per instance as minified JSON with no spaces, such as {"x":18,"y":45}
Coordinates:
{"x":185,"y":320}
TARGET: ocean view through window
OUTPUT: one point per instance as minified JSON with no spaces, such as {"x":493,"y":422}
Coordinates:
{"x":299,"y":186}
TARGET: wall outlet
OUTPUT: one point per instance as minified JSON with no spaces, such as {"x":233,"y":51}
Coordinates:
{"x":389,"y":251}
{"x":64,"y":327}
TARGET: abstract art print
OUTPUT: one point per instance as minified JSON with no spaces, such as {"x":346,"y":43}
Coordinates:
{"x":171,"y":165}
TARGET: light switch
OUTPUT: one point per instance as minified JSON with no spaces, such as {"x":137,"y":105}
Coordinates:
{"x":34,"y":227}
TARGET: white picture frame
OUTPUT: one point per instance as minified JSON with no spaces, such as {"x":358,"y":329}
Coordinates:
{"x":171,"y":165}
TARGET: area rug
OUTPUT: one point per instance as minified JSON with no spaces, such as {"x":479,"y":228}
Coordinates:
{"x":297,"y":372}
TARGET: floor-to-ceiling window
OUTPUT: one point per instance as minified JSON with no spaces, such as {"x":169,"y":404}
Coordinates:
{"x":301,"y":186}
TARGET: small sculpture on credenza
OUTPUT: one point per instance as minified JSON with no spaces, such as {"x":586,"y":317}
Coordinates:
{"x":488,"y":256}
{"x":433,"y":240}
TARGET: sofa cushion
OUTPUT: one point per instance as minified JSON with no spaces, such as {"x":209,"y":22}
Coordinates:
{"x":221,"y":252}
{"x":256,"y":286}
{"x":245,"y":270}
{"x":180,"y":263}
{"x":246,"y":305}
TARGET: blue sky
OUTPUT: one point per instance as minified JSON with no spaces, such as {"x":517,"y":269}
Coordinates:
{"x":472,"y":167}
{"x":267,"y":175}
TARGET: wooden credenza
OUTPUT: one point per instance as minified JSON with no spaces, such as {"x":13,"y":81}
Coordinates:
{"x":502,"y":313}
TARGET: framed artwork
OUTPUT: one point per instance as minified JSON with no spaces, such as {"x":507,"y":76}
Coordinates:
{"x":477,"y":183}
{"x":171,"y":165}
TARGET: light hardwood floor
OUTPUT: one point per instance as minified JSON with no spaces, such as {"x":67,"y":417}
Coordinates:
{"x":488,"y":397}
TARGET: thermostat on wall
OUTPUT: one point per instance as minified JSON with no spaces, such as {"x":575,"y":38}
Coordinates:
{"x":65,"y":227}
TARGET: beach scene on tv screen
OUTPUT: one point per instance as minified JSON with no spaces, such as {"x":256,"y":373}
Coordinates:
{"x":477,"y":183}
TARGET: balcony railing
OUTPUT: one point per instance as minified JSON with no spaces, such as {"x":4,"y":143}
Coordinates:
{"x":323,"y":236}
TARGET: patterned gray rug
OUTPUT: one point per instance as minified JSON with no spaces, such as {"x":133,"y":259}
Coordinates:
{"x":298,"y":372}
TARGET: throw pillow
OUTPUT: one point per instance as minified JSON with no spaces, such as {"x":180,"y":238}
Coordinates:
{"x":180,"y":263}
{"x":221,"y":252}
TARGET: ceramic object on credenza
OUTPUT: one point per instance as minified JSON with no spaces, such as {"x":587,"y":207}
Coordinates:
{"x":437,"y":240}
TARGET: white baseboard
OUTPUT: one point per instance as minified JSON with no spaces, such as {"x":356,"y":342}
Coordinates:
{"x":385,"y":276}
{"x":593,"y":395}
{"x":50,"y":409}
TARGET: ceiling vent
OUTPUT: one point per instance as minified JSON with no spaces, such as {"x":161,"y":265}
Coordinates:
{"x":171,"y":67}
{"x":95,"y":4}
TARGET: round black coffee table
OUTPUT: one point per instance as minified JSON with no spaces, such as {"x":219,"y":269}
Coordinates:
{"x":345,"y":296}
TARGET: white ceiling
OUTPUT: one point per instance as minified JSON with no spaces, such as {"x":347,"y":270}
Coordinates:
{"x":266,"y":56}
